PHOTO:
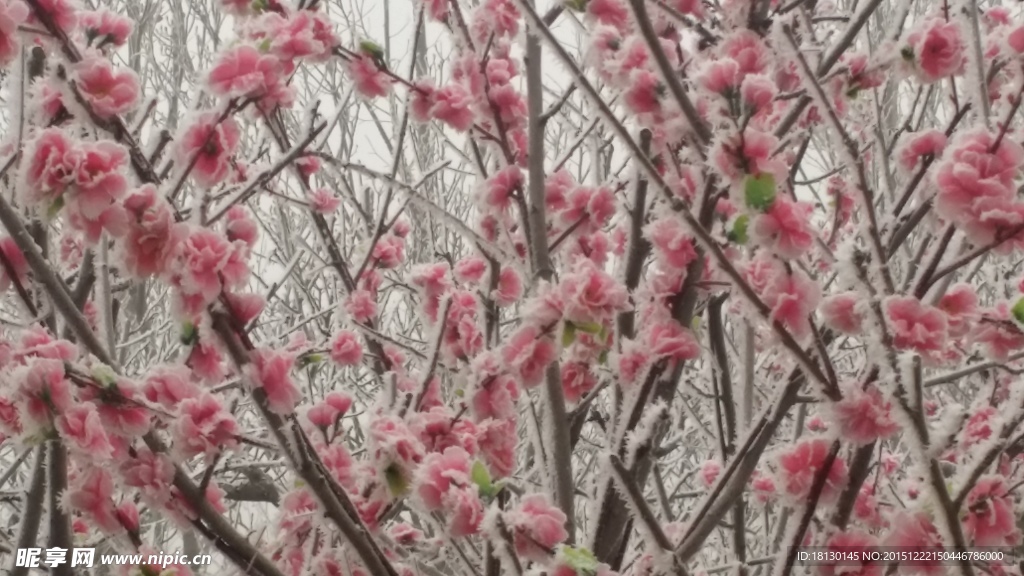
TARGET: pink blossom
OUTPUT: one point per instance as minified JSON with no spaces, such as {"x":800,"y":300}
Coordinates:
{"x":108,"y":92}
{"x":763,"y":486}
{"x":52,"y":161}
{"x":527,"y":352}
{"x":12,"y":14}
{"x":239,"y":226}
{"x":668,"y":338}
{"x":816,"y":424}
{"x":451,"y":105}
{"x":960,"y":303}
{"x":748,"y":50}
{"x":204,"y":427}
{"x":322,"y":415}
{"x":800,"y":465}
{"x":976,"y":184}
{"x":915,"y":532}
{"x":272,"y":375}
{"x":169,"y":386}
{"x":914,"y":146}
{"x":389,"y":251}
{"x":346,"y":350}
{"x":44,"y":389}
{"x":205,"y":148}
{"x":592,"y":206}
{"x":14,"y":267}
{"x":991,"y":520}
{"x":672,"y":246}
{"x":735,"y":157}
{"x":324,"y":201}
{"x":63,"y":13}
{"x":498,"y":17}
{"x":81,"y":428}
{"x":757,"y":92}
{"x":91,"y":495}
{"x":839,"y":312}
{"x":721,"y":76}
{"x":709,"y":472}
{"x":589,"y":294}
{"x":915,"y":325}
{"x":496,"y":397}
{"x":864,"y":416}
{"x":609,"y":12}
{"x":470,"y":269}
{"x":937,"y":49}
{"x":440,"y":472}
{"x":998,"y":333}
{"x":243,"y":71}
{"x":785,"y":228}
{"x":792,"y":298}
{"x":1016,"y":39}
{"x":577,"y":381}
{"x":644,"y":93}
{"x":153,"y":236}
{"x":106,"y":26}
{"x":303,"y":34}
{"x":436,"y":9}
{"x":204,"y":258}
{"x":537,"y":527}
{"x":126,"y":418}
{"x":39,"y":343}
{"x":497,"y":440}
{"x":244,"y":307}
{"x":369,"y":79}
{"x":392,"y":443}
{"x":498,"y":189}
{"x":510,"y":287}
{"x":848,"y":544}
{"x":361,"y":305}
{"x":631,"y":363}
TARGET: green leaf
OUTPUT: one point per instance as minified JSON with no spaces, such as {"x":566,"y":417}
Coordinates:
{"x":581,"y":560}
{"x":1018,"y":311}
{"x":310,"y":359}
{"x":590,"y":327}
{"x":759,"y":191}
{"x":372,"y":49}
{"x":695,"y":323}
{"x":738,"y":234}
{"x":482,"y":478}
{"x":459,"y":392}
{"x":577,"y":5}
{"x":259,"y":6}
{"x":265,"y":46}
{"x":104,"y":375}
{"x":569,"y":334}
{"x":602,"y":358}
{"x":55,"y":208}
{"x":397,"y":483}
{"x":189,"y":334}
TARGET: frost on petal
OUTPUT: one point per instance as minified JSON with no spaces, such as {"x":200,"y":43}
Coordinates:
{"x":799,"y":465}
{"x":346,"y":348}
{"x":107,"y":91}
{"x":273,"y":375}
{"x":915,"y":326}
{"x":205,"y":147}
{"x":12,"y":14}
{"x":936,"y":49}
{"x":537,"y":527}
{"x":864,"y":416}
